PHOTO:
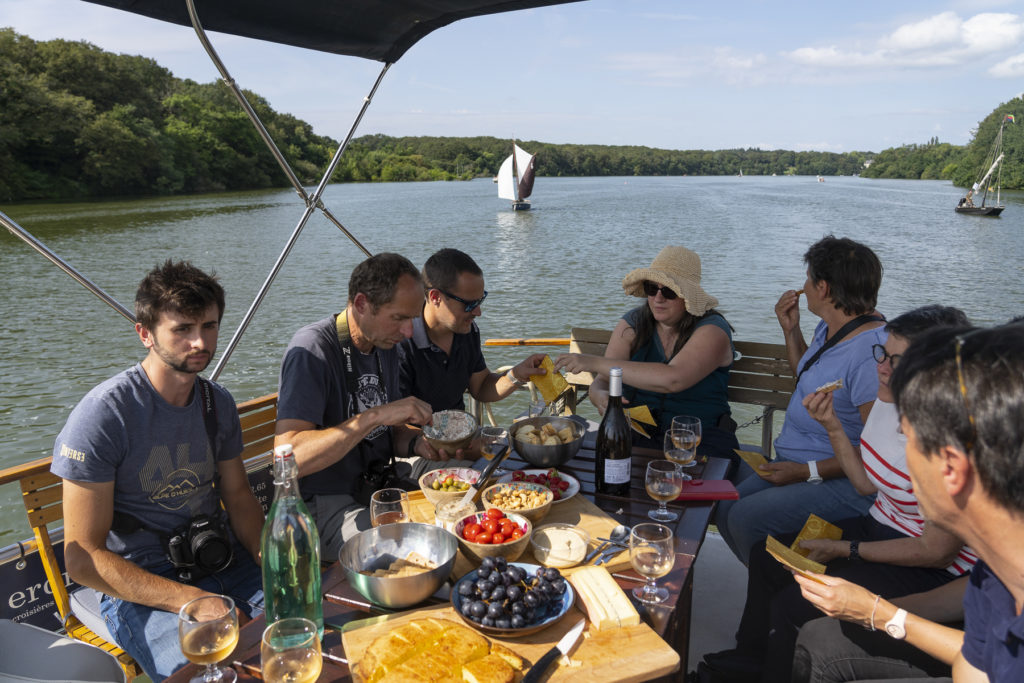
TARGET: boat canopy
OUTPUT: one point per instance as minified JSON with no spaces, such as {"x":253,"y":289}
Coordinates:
{"x":382,"y":30}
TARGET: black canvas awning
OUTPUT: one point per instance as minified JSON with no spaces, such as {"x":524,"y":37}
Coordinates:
{"x":374,"y":29}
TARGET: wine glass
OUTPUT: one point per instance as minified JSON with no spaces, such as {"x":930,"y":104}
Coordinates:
{"x":652,"y":550}
{"x":494,"y":443}
{"x":680,"y":456}
{"x":664,"y":482}
{"x":290,"y":651}
{"x":208,"y":632}
{"x":688,"y":422}
{"x":389,"y":506}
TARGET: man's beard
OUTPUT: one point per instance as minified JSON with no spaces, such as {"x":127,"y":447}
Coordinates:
{"x":181,"y":363}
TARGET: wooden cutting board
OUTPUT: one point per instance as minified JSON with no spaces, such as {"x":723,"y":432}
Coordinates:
{"x":577,"y":510}
{"x":632,"y":653}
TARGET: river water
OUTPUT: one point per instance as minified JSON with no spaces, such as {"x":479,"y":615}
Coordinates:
{"x":557,"y":266}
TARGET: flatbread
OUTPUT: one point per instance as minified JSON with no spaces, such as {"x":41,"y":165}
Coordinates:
{"x":798,"y":563}
{"x":814,"y":528}
{"x":831,"y":386}
{"x":550,"y":385}
{"x":640,"y":415}
{"x":754,"y":459}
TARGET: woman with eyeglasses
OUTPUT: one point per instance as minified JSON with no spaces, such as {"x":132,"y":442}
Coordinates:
{"x":892,"y":551}
{"x":675,"y":351}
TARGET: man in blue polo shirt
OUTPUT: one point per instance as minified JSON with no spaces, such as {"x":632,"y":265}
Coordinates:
{"x":960,"y":393}
{"x":443,"y":358}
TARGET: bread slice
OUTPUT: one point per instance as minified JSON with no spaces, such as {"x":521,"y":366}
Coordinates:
{"x":489,"y":669}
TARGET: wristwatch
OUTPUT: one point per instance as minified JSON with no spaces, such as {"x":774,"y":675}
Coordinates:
{"x":895,"y":627}
{"x":854,"y":555}
{"x":511,"y":377}
{"x":814,"y":477}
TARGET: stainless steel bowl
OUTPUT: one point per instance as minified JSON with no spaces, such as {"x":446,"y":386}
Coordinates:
{"x":548,"y":456}
{"x":377,"y":548}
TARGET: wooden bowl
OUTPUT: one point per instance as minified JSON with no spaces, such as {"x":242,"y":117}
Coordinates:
{"x":534,"y":514}
{"x":452,"y":430}
{"x":510,"y":550}
{"x":466,"y":474}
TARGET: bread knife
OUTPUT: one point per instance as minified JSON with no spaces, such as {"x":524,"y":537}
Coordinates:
{"x":563,"y":647}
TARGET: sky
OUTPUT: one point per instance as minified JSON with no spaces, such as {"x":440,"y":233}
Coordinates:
{"x":675,"y":74}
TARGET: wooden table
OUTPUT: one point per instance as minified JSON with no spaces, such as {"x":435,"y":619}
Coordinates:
{"x":670,"y":620}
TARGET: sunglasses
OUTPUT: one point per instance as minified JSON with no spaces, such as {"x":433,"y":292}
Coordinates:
{"x":652,"y":289}
{"x":958,"y":346}
{"x":470,"y":305}
{"x":881,"y":355}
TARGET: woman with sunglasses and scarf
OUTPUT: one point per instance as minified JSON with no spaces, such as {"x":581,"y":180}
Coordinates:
{"x":675,"y":351}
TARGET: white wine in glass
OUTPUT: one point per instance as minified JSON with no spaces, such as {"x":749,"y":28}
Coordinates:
{"x":682,"y":457}
{"x":208,"y":632}
{"x":652,"y":551}
{"x":495,"y":442}
{"x":290,"y":652}
{"x":664,"y":482}
{"x":689,"y":423}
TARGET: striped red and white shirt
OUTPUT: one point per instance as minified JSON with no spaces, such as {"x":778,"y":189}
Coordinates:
{"x":883,"y":451}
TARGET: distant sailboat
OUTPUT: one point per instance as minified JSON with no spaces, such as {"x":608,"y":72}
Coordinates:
{"x":515,"y":178}
{"x":967,"y":204}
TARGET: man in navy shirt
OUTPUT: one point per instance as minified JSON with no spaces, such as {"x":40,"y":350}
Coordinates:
{"x":961,"y":396}
{"x":442,"y":359}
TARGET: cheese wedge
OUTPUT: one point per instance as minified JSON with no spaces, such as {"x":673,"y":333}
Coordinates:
{"x":605,"y":603}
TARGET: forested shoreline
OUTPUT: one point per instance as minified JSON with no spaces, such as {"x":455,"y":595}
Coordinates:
{"x":79,"y":122}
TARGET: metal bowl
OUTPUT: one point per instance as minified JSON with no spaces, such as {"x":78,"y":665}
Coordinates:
{"x":377,"y":548}
{"x":548,"y":456}
{"x":436,"y":435}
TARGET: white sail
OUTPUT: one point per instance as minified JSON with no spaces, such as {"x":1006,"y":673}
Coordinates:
{"x":515,"y":177}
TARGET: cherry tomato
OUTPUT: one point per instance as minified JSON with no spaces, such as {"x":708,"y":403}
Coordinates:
{"x":517,"y":533}
{"x":473,"y":529}
{"x":484,"y":537}
{"x":495,"y":513}
{"x":490,"y":525}
{"x":498,"y":538}
{"x":506,"y":526}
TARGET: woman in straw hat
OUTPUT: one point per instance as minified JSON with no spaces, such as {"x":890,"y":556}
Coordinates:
{"x":675,"y":351}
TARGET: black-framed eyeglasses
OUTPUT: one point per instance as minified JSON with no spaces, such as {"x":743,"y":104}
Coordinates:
{"x":652,"y":289}
{"x":958,"y":347}
{"x":881,"y":355}
{"x":470,"y":305}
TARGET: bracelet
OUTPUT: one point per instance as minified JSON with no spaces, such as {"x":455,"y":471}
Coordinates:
{"x":511,"y":377}
{"x":875,"y":607}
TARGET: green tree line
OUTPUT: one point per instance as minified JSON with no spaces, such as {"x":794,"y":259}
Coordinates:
{"x":77,"y":121}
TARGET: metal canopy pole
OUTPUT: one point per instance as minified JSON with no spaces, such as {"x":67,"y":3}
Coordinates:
{"x":312,"y":202}
{"x":31,"y":241}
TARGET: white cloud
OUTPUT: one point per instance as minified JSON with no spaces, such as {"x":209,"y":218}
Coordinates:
{"x":1011,"y":67}
{"x":941,"y":40}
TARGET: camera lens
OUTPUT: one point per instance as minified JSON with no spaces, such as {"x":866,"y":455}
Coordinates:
{"x":211,"y":551}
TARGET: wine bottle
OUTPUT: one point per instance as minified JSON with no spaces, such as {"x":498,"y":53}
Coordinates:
{"x":614,"y":442}
{"x":291,"y":549}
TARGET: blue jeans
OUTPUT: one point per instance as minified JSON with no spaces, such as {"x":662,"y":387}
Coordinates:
{"x":150,"y":635}
{"x":765,"y":509}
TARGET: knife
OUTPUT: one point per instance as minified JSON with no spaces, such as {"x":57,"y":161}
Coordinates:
{"x":563,"y":647}
{"x":475,"y":489}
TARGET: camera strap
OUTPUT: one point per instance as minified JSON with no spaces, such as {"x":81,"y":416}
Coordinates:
{"x":837,"y":337}
{"x":349,"y":373}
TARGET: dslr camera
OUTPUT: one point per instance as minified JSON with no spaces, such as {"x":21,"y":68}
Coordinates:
{"x":199,"y":548}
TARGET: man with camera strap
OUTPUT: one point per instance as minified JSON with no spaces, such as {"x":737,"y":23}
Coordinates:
{"x":147,"y":459}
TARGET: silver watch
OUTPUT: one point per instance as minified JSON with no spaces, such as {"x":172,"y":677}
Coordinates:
{"x":511,"y":376}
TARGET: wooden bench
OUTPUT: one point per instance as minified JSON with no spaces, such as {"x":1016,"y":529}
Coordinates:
{"x":42,"y":496}
{"x":760,"y":376}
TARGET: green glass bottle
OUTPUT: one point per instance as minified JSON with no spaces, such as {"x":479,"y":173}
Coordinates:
{"x":291,"y":549}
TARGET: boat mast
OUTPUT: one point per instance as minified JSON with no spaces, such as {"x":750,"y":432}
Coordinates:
{"x":997,"y":152}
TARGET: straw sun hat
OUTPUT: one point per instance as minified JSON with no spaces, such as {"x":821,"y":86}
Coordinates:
{"x":677,"y":268}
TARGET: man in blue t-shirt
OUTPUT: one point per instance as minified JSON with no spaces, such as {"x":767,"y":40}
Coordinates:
{"x":442,"y":360}
{"x":339,"y":404}
{"x":144,"y":455}
{"x":960,"y":393}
